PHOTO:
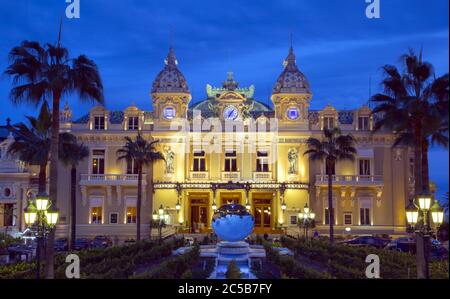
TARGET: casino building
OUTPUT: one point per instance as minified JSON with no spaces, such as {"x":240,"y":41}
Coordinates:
{"x":214,"y":155}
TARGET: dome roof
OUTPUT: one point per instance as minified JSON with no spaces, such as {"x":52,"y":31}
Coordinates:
{"x":291,"y":79}
{"x":170,"y":79}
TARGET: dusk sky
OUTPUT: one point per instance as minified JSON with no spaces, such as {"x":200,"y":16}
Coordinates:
{"x":337,"y":46}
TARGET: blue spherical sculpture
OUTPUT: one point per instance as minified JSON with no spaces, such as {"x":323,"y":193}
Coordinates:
{"x":233,"y":223}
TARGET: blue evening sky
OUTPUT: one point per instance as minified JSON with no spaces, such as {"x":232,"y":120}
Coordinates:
{"x":337,"y":47}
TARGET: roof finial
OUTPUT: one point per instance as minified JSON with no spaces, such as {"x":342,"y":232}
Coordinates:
{"x":230,"y":84}
{"x":171,"y":58}
{"x":60,"y":32}
{"x":290,"y":59}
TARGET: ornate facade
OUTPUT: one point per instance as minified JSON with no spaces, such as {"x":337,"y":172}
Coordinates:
{"x":214,"y":155}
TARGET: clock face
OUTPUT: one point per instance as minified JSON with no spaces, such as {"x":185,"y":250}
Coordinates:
{"x":230,"y":113}
{"x":293,"y":113}
{"x":169,"y":113}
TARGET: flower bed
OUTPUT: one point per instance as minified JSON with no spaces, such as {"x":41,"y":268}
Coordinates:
{"x":290,"y":267}
{"x":111,"y":263}
{"x":174,"y":268}
{"x":345,"y":262}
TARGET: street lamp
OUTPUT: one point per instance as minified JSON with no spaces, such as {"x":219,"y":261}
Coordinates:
{"x":178,"y":206}
{"x":306,"y":219}
{"x":41,"y":216}
{"x":412,"y":213}
{"x":423,"y":228}
{"x":283,"y":206}
{"x":437,"y":213}
{"x":214,"y":206}
{"x":424,"y":202}
{"x":159,"y":219}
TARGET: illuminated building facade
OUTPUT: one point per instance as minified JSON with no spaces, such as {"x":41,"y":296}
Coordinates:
{"x":230,"y":148}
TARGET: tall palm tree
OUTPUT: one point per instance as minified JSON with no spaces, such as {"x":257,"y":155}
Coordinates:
{"x":47,"y":72}
{"x":332,"y":148}
{"x":143,"y":153}
{"x":71,"y":154}
{"x":414,"y":104}
{"x":33,"y":143}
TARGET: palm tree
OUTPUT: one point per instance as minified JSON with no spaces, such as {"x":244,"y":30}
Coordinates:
{"x":333,"y":148}
{"x":142,"y":153}
{"x":32,"y":146}
{"x":71,"y":154}
{"x":47,"y":72}
{"x":33,"y":143}
{"x":414,"y":104}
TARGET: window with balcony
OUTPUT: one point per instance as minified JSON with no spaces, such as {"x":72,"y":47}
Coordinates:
{"x":364,"y":123}
{"x":327,"y":215}
{"x":199,"y":161}
{"x":348,"y":218}
{"x":328,"y":123}
{"x":132,"y":167}
{"x":131,"y":215}
{"x":262,"y":161}
{"x":96,"y":215}
{"x":98,"y":162}
{"x":230,"y":161}
{"x":133,"y":123}
{"x":364,"y":167}
{"x":364,"y":214}
{"x":99,"y":122}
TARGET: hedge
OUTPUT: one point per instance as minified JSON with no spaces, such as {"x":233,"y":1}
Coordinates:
{"x":346,"y":262}
{"x":111,"y":263}
{"x":291,"y":267}
{"x":174,"y":268}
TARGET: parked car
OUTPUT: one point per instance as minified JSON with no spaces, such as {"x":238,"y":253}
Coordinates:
{"x":364,"y":241}
{"x":404,"y":244}
{"x":82,"y":243}
{"x":101,"y":242}
{"x":129,"y":241}
{"x":438,"y":251}
{"x":61,"y":244}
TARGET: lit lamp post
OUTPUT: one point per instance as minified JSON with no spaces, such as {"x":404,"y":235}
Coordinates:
{"x":247,"y":205}
{"x":160,"y":219}
{"x":306,"y":219}
{"x":420,"y":222}
{"x":41,"y":216}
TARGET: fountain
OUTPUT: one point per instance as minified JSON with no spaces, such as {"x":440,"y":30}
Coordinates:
{"x":232,"y":224}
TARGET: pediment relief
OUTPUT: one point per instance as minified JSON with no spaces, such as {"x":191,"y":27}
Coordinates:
{"x":231,"y":96}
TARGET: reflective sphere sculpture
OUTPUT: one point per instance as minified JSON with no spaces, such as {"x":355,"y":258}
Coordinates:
{"x":233,"y":223}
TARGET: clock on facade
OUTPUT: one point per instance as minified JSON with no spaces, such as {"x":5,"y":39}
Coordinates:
{"x":230,"y":113}
{"x":293,"y":113}
{"x":169,"y":113}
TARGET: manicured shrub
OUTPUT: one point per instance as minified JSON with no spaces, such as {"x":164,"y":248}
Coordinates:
{"x":233,"y":271}
{"x":174,"y":267}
